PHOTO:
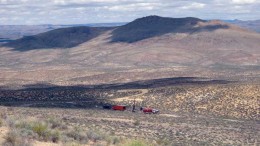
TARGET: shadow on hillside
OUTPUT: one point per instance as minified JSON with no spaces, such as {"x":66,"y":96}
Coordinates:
{"x":87,"y":96}
{"x":134,"y":35}
{"x":61,"y":38}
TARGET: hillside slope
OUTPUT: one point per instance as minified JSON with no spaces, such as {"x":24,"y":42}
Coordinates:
{"x":59,"y":38}
{"x":194,"y":47}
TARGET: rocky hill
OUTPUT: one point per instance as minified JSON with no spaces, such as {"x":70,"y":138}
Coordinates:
{"x":152,"y":26}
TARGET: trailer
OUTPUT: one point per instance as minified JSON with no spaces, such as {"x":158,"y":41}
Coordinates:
{"x":119,"y":107}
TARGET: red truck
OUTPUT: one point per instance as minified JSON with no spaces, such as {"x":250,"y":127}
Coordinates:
{"x":119,"y":107}
{"x":150,"y":111}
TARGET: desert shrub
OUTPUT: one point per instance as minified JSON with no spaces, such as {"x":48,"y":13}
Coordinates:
{"x":35,"y":130}
{"x":55,"y":136}
{"x":11,"y":138}
{"x":115,"y":140}
{"x":98,"y":144}
{"x":3,"y":115}
{"x":24,"y":125}
{"x":28,"y":133}
{"x":67,"y":140}
{"x":11,"y":122}
{"x":14,"y":139}
{"x":82,"y":137}
{"x":71,"y":143}
{"x":56,"y":123}
{"x":135,"y":143}
{"x":95,"y":135}
{"x":1,"y":122}
{"x":136,"y":122}
{"x":77,"y":136}
{"x":163,"y":141}
{"x":42,"y":130}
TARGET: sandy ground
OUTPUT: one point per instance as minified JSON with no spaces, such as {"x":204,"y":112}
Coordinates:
{"x":3,"y":131}
{"x":132,"y":98}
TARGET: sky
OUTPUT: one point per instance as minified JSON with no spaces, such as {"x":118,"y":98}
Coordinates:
{"x":31,"y":12}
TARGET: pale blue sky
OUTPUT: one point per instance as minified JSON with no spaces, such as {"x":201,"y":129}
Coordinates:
{"x":98,"y":11}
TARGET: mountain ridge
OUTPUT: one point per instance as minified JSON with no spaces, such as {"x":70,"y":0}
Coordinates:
{"x":150,"y":26}
{"x":215,"y":50}
{"x":137,"y":30}
{"x":58,"y":38}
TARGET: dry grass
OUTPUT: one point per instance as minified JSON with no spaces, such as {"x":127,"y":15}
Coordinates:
{"x":14,"y":139}
{"x":25,"y":132}
{"x":136,"y":143}
{"x":81,"y":126}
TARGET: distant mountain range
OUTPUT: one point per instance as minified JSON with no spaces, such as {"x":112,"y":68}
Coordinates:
{"x":138,"y":30}
{"x":12,"y":32}
{"x":253,"y":25}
